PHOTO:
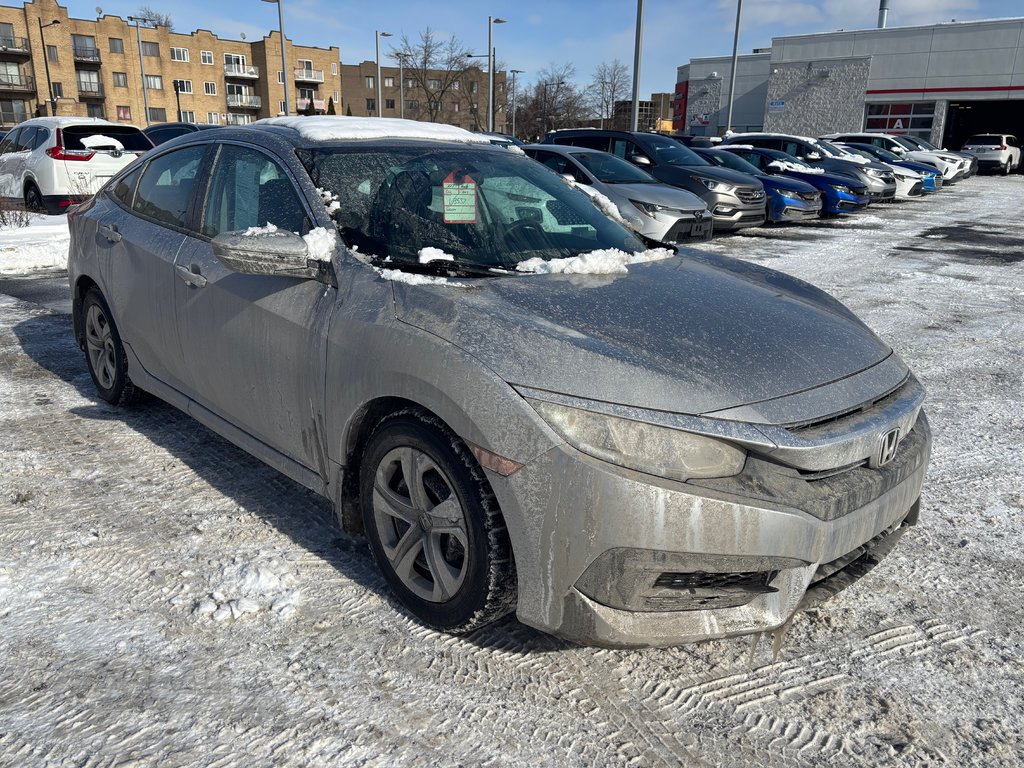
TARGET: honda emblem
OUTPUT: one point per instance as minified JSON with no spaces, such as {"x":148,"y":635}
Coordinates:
{"x":887,"y":446}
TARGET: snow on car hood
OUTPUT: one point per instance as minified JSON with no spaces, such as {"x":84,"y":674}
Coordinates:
{"x":687,"y":335}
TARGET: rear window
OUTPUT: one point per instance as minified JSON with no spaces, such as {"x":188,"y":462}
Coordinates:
{"x":985,"y":138}
{"x":130,"y":139}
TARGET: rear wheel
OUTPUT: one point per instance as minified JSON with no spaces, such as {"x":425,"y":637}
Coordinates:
{"x":434,"y":526}
{"x":104,"y":352}
{"x":34,"y":199}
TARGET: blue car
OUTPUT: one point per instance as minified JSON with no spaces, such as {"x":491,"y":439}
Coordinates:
{"x":787,"y":199}
{"x":839,"y":194}
{"x":930,"y":177}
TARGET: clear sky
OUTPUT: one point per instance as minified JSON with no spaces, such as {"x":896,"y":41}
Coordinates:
{"x":542,"y":32}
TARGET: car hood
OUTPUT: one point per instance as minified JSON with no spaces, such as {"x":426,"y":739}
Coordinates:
{"x":669,"y":173}
{"x":693,"y":334}
{"x":658,"y":194}
{"x":821,"y":179}
{"x":791,"y":185}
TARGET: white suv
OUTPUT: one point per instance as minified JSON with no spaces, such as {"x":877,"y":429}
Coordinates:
{"x":998,"y":151}
{"x":50,"y":163}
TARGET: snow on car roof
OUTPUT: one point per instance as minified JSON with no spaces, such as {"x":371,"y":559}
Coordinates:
{"x":335,"y":128}
{"x":808,"y":139}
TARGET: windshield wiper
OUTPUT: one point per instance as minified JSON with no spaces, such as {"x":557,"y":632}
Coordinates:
{"x":442,"y":267}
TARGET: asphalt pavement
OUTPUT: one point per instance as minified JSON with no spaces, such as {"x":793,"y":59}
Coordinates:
{"x":47,"y":289}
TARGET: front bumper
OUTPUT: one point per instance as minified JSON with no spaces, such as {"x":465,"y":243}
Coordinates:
{"x":611,"y":546}
{"x":782,"y":208}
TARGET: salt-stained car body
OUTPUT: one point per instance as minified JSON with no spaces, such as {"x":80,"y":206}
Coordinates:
{"x":662,"y":212}
{"x":50,"y":163}
{"x":522,"y":406}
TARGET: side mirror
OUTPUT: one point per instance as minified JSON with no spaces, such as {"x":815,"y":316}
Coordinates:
{"x":812,"y":156}
{"x":277,"y":253}
{"x":642,"y":161}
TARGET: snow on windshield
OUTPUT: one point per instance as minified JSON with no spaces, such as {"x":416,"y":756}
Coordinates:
{"x":409,"y":278}
{"x":336,"y":128}
{"x":603,"y":262}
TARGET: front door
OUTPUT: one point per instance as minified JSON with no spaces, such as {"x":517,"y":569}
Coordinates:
{"x":256,"y":343}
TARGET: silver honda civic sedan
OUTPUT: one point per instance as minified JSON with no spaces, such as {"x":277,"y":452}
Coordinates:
{"x":521,"y":404}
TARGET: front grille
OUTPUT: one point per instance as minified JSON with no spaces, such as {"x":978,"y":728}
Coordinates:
{"x":750,"y":195}
{"x":752,"y":581}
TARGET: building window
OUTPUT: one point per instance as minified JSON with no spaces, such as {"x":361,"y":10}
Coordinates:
{"x":368,"y":81}
{"x":456,"y":85}
{"x":472,"y":86}
{"x":337,"y":97}
{"x":51,"y":53}
{"x":389,"y":103}
{"x":371,"y":105}
{"x":157,"y":115}
{"x":389,"y":82}
{"x":410,"y":83}
{"x":209,"y":88}
{"x":150,"y":49}
{"x":411,"y":104}
{"x":304,"y":64}
{"x":282,"y":106}
{"x":154,"y":82}
{"x":120,"y":79}
{"x":183,"y":86}
{"x":188,"y":116}
{"x":213,"y":118}
{"x":913,"y":118}
{"x":455,"y":106}
{"x":116,"y":45}
{"x":334,"y":67}
{"x":179,"y":54}
{"x":434,"y":85}
{"x":58,"y":90}
{"x":124,"y":113}
{"x":206,"y":57}
{"x":94,"y":110}
{"x":280,"y":77}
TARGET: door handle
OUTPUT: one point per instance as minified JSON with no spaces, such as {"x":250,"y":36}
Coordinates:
{"x":111,"y":233}
{"x":191,"y":275}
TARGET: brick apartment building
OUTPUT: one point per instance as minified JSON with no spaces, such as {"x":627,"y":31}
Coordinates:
{"x":94,"y":70}
{"x":446,"y":97}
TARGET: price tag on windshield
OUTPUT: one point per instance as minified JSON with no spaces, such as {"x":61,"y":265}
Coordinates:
{"x":458,"y":199}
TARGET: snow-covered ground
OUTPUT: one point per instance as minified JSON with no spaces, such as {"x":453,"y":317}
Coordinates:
{"x":167,"y":600}
{"x":42,"y":244}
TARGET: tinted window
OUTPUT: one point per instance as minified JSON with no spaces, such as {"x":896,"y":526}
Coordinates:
{"x":610,"y":169}
{"x":985,"y":138}
{"x":756,"y":160}
{"x":124,"y":189}
{"x":7,"y":145}
{"x":42,"y":136}
{"x":166,"y":185}
{"x":767,"y":143}
{"x":131,"y":139}
{"x":627,"y":150}
{"x":557,"y":163}
{"x":729,"y":160}
{"x":668,"y":151}
{"x":26,"y":139}
{"x":591,"y":142}
{"x":249,"y":189}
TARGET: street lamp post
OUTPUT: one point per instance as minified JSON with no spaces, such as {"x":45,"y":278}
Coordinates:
{"x":735,"y":59}
{"x":380,"y":90}
{"x":491,"y":21}
{"x":46,"y":63}
{"x":284,"y":53}
{"x":401,"y":84}
{"x":635,"y":118}
{"x":514,"y":73}
{"x":142,"y":64}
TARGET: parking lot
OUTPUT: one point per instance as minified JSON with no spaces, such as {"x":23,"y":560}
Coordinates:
{"x":165,"y":599}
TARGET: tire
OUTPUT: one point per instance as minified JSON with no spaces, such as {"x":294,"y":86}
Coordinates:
{"x":34,"y":199}
{"x":104,"y":352}
{"x":440,"y":541}
{"x":1005,"y":169}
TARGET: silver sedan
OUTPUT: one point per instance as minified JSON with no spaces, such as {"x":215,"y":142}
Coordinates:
{"x":521,"y":405}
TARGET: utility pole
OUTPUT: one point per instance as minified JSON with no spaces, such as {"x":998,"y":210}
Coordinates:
{"x":514,"y":73}
{"x":735,"y":59}
{"x":636,"y":64}
{"x":142,"y":65}
{"x":46,"y":63}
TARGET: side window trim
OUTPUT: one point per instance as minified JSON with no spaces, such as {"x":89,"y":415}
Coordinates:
{"x":188,"y":210}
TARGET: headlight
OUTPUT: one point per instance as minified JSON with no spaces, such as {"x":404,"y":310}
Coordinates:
{"x":644,"y":447}
{"x":873,"y":172}
{"x":715,"y":186}
{"x":844,"y":190}
{"x":901,"y":177}
{"x":648,"y":209}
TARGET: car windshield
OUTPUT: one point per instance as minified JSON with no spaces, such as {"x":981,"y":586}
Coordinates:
{"x":903,"y":141}
{"x":782,"y":157}
{"x":731,"y":161}
{"x":859,"y":152}
{"x":92,"y":137}
{"x":884,"y":154}
{"x":610,"y":169}
{"x":671,"y":152}
{"x":481,"y":207}
{"x":830,"y":149}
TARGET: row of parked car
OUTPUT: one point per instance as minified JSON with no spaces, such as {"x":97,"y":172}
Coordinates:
{"x":669,"y":190}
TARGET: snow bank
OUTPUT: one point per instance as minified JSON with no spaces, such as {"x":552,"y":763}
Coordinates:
{"x":604,"y":262}
{"x":320,"y":243}
{"x":250,"y":589}
{"x":430,"y":254}
{"x":43,"y":244}
{"x":337,"y":128}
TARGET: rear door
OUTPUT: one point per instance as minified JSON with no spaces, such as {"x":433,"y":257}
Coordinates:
{"x":13,"y":169}
{"x":256,"y":343}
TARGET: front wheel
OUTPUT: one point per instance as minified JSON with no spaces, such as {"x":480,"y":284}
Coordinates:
{"x":104,"y":352}
{"x":434,"y":526}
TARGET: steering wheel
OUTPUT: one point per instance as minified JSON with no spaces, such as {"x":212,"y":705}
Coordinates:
{"x":527,"y":234}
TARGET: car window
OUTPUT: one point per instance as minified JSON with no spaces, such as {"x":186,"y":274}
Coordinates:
{"x":26,"y":139}
{"x":795,"y":148}
{"x":130,"y":138}
{"x":42,"y":136}
{"x":757,"y":160}
{"x":611,"y":169}
{"x":557,"y":163}
{"x":250,"y":189}
{"x":765,"y":142}
{"x":124,"y":189}
{"x":166,"y":186}
{"x":591,"y":142}
{"x":7,"y":145}
{"x":627,"y":150}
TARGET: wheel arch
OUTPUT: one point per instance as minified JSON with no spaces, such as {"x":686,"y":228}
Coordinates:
{"x":81,"y":287}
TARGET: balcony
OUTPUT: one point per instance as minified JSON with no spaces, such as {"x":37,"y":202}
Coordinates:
{"x":241,"y":70}
{"x":86,"y":54}
{"x":17,"y":46}
{"x":244,"y":101}
{"x":17,"y":83}
{"x":309,"y":75}
{"x":90,"y":91}
{"x":318,"y":104}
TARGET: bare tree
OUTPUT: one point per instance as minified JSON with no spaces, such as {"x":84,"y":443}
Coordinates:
{"x":155,"y":18}
{"x":553,"y":101}
{"x":610,"y":83}
{"x":436,"y":67}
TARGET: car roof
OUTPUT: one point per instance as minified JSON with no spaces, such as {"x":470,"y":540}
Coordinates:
{"x":63,"y":122}
{"x":564,"y":149}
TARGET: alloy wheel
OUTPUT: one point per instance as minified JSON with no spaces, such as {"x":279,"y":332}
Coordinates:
{"x":100,"y":346}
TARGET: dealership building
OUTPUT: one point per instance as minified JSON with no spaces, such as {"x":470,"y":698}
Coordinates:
{"x":942,"y":82}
